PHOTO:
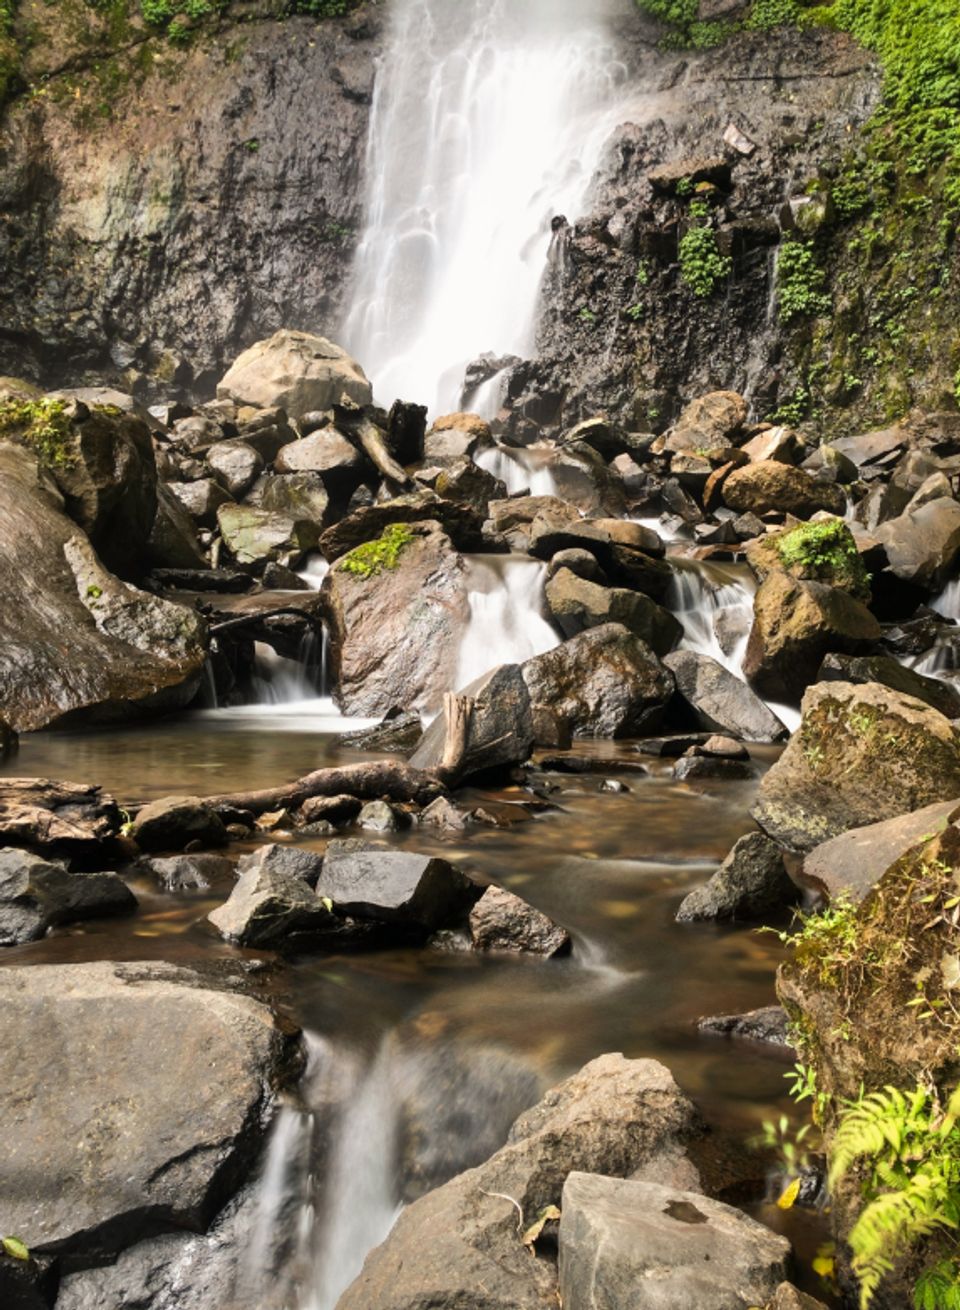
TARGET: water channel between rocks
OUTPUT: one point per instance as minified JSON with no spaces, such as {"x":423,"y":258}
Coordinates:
{"x":476,"y":1039}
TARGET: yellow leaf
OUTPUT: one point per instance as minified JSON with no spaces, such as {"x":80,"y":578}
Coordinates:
{"x":534,"y":1231}
{"x":789,"y":1195}
{"x":824,"y":1265}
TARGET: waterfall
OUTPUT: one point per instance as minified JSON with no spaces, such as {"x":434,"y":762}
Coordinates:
{"x":714,"y":605}
{"x":522,"y":470}
{"x":507,"y":623}
{"x":488,"y":119}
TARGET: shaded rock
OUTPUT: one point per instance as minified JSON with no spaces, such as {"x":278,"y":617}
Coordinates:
{"x":923,"y":544}
{"x":173,"y":822}
{"x":891,"y":673}
{"x":173,"y":537}
{"x":796,"y":624}
{"x":235,"y":465}
{"x":605,"y":683}
{"x":654,"y":1248}
{"x":9,"y":741}
{"x":28,"y":1284}
{"x":769,"y":1024}
{"x":379,"y":816}
{"x":696,"y":766}
{"x":458,"y":1245}
{"x":861,"y":754}
{"x":77,"y":641}
{"x":850,"y":866}
{"x":500,"y":732}
{"x":291,"y":861}
{"x":578,"y":604}
{"x":201,"y":499}
{"x":463,"y":481}
{"x":462,"y":524}
{"x":773,"y":488}
{"x":332,"y":809}
{"x":501,"y":921}
{"x":397,"y":734}
{"x":578,"y":561}
{"x":255,"y":536}
{"x":297,"y":372}
{"x":92,"y":1164}
{"x":395,"y":634}
{"x":36,"y":895}
{"x":789,"y":1297}
{"x":298,"y":496}
{"x":395,"y":887}
{"x":59,"y":819}
{"x":719,"y":701}
{"x":177,"y":873}
{"x":272,"y":907}
{"x":751,"y":883}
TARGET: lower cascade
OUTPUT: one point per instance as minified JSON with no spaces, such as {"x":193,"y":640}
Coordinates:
{"x":480,"y":656}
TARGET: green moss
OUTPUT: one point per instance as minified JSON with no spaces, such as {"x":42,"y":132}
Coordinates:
{"x":800,"y":282}
{"x":42,"y":425}
{"x":702,"y":266}
{"x":825,"y":552}
{"x":374,"y":556}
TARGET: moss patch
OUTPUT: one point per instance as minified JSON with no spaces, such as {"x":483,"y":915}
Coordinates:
{"x":373,"y":557}
{"x":42,"y":425}
{"x":824,"y":552}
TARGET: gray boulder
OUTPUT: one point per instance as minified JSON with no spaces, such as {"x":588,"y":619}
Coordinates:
{"x":172,"y":823}
{"x":177,"y":873}
{"x":501,"y":921}
{"x":235,"y":465}
{"x":397,"y":887}
{"x":578,"y":604}
{"x":638,"y":1244}
{"x":297,"y":372}
{"x":257,"y":536}
{"x":751,"y":883}
{"x":36,"y":895}
{"x":296,"y":495}
{"x":923,"y":544}
{"x":719,"y":701}
{"x":291,"y":861}
{"x":271,"y":907}
{"x":328,"y":454}
{"x":94,"y":1163}
{"x":605,"y":683}
{"x":501,"y":725}
{"x":201,"y":499}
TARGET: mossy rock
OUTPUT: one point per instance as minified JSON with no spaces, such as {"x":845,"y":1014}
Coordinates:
{"x":824,"y":551}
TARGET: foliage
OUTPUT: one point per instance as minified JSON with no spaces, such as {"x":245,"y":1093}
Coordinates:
{"x":9,"y":54}
{"x":323,"y":8}
{"x":825,"y":550}
{"x":702,"y":266}
{"x":825,"y":939}
{"x":42,"y":425}
{"x":800,"y":282}
{"x":374,"y":556}
{"x":767,"y":14}
{"x":908,"y":1146}
{"x":14,"y":1247}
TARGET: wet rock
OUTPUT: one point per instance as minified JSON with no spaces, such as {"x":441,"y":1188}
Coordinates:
{"x":923,"y":544}
{"x":291,"y":861}
{"x":272,"y":907}
{"x":446,"y":816}
{"x":235,"y":465}
{"x":750,"y":884}
{"x":9,"y":741}
{"x":836,"y":561}
{"x":520,"y":512}
{"x":201,"y":499}
{"x":862,"y":753}
{"x":795,"y":625}
{"x":59,"y":819}
{"x":331,"y":809}
{"x":501,"y":921}
{"x":173,"y":537}
{"x":295,"y":495}
{"x":36,"y":895}
{"x":693,"y":766}
{"x":604,"y":683}
{"x":401,"y":888}
{"x":773,"y":488}
{"x":170,"y":824}
{"x":849,"y":866}
{"x":28,"y":1284}
{"x":672,"y":747}
{"x":129,"y":653}
{"x":454,"y":435}
{"x":640,"y":1244}
{"x":719,"y":701}
{"x":379,"y":816}
{"x":550,"y":729}
{"x":613,"y":786}
{"x":463,"y":481}
{"x":578,"y":604}
{"x":327,"y":453}
{"x":395,"y":634}
{"x":92,"y":1164}
{"x":462,"y":524}
{"x":256,"y":536}
{"x":500,"y":732}
{"x":397,"y":734}
{"x":769,"y":1024}
{"x":709,"y":422}
{"x":891,"y":673}
{"x":579,"y":561}
{"x":458,"y":1245}
{"x":177,"y":873}
{"x":297,"y":372}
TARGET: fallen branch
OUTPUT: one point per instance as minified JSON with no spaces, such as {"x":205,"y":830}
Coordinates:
{"x":380,"y":779}
{"x":458,"y":715}
{"x":376,"y":450}
{"x":251,"y":619}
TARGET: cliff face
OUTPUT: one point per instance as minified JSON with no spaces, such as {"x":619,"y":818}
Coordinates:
{"x":206,"y":202}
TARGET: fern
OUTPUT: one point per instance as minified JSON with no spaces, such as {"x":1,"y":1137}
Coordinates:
{"x":910,"y":1148}
{"x":938,"y":1288}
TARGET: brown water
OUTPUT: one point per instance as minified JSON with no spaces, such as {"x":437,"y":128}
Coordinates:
{"x":610,"y":867}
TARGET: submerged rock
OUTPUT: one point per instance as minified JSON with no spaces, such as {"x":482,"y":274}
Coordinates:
{"x":750,"y":884}
{"x":769,"y":1024}
{"x":501,"y":921}
{"x":297,"y":372}
{"x":36,"y":895}
{"x":93,"y":1163}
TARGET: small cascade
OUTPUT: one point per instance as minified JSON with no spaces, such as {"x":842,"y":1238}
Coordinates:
{"x":714,"y":605}
{"x":508,"y":622}
{"x":314,"y":570}
{"x":279,"y":681}
{"x":528,"y":469}
{"x":947,"y":603}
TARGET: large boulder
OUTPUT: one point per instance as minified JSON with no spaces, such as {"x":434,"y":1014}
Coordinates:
{"x":862,"y":753}
{"x":297,"y":372}
{"x":397,"y":887}
{"x":795,"y":624}
{"x":328,"y":454}
{"x":500,"y":731}
{"x":709,"y":422}
{"x":462,"y":524}
{"x":605,"y":683}
{"x":74,"y":640}
{"x":719,"y":701}
{"x":458,"y":1246}
{"x":36,"y":895}
{"x":298,"y":496}
{"x":638,"y":1244}
{"x":578,"y":604}
{"x":137,"y":1105}
{"x":261,"y":536}
{"x":59,"y":819}
{"x":922,"y":545}
{"x":774,"y":488}
{"x":751,"y":882}
{"x":943,"y":696}
{"x":396,"y":620}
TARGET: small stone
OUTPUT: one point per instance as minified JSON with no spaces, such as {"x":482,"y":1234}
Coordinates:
{"x":613,"y":785}
{"x":737,"y":140}
{"x":751,"y":883}
{"x":501,"y":921}
{"x":379,"y":816}
{"x":174,"y":822}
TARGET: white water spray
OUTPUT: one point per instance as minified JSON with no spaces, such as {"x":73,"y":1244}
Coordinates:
{"x":508,"y":623}
{"x":488,"y":120}
{"x":528,"y":469}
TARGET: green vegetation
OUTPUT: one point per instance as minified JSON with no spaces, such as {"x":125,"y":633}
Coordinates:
{"x":702,"y":266}
{"x":825,"y":941}
{"x":9,"y":54}
{"x":800,"y":282}
{"x":825,"y":552}
{"x":42,"y":425}
{"x":374,"y":556}
{"x":14,"y":1247}
{"x":908,"y":1147}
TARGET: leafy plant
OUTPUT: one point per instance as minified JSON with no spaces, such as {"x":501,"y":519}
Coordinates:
{"x":42,"y":425}
{"x":826,"y":551}
{"x":702,"y":266}
{"x":908,"y":1146}
{"x":767,"y":14}
{"x":374,"y":556}
{"x":14,"y":1247}
{"x":800,"y":282}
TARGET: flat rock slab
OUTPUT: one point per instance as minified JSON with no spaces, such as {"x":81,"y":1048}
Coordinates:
{"x":36,"y":895}
{"x":628,"y":1245}
{"x":134,"y":1101}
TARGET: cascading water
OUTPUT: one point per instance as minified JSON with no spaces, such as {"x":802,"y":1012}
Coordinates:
{"x":488,"y":119}
{"x":714,"y":605}
{"x":507,"y":620}
{"x":521,"y":470}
